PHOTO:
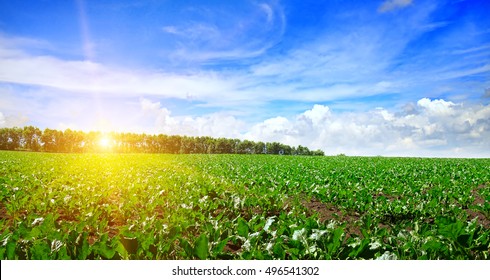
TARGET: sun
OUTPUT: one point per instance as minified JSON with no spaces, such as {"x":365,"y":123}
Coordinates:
{"x":105,"y":142}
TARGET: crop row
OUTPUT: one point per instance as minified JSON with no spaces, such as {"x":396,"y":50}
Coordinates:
{"x":147,"y":206}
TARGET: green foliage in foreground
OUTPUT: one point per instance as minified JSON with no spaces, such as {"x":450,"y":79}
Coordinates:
{"x":146,"y":206}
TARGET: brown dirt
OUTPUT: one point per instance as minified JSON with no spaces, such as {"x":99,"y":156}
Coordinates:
{"x":4,"y":215}
{"x":232,"y":248}
{"x":3,"y":211}
{"x":65,"y":217}
{"x":479,"y":200}
{"x":482,"y":219}
{"x":113,"y":226}
{"x":159,"y":210}
{"x":327,"y":212}
{"x":248,"y":213}
{"x":388,"y":197}
{"x":91,"y":239}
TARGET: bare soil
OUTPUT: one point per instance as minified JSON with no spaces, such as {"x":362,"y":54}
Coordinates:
{"x":474,"y":213}
{"x":327,"y":212}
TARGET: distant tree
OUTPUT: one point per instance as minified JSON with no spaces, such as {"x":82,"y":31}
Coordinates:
{"x":223,"y":146}
{"x":73,"y":141}
{"x":318,"y":153}
{"x":11,"y":138}
{"x":50,"y":140}
{"x":246,"y":147}
{"x":174,"y":144}
{"x":274,"y":148}
{"x":4,"y":138}
{"x":302,"y":150}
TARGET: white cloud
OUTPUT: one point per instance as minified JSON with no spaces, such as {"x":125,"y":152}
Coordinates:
{"x":170,"y":29}
{"x":215,"y":125}
{"x":316,"y":116}
{"x":2,"y":120}
{"x":163,"y":119}
{"x":219,"y":34}
{"x":268,"y":11}
{"x":13,"y":120}
{"x":216,"y":89}
{"x":436,"y":107}
{"x":423,"y":128}
{"x":390,"y":5}
{"x":87,"y":76}
{"x":432,"y":128}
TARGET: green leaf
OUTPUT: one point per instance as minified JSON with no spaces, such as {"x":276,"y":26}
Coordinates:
{"x":242,"y":227}
{"x":279,"y":252}
{"x":40,"y":250}
{"x":220,"y":246}
{"x":186,"y":246}
{"x":121,"y":250}
{"x":11,"y":249}
{"x":130,"y":244}
{"x":84,"y":249}
{"x":336,"y":241}
{"x":101,"y":247}
{"x":201,"y":247}
{"x":465,"y":240}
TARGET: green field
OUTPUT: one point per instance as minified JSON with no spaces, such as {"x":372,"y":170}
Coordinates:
{"x":155,"y":206}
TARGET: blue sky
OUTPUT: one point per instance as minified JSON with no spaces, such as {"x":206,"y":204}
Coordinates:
{"x":388,"y":77}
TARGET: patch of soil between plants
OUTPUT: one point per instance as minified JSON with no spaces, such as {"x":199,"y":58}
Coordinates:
{"x":232,"y":248}
{"x":3,"y":212}
{"x":481,"y":219}
{"x":328,"y":212}
{"x":479,"y":200}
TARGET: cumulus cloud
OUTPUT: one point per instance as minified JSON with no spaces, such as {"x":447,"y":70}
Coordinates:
{"x":429,"y":128}
{"x":437,"y":107}
{"x":215,"y":125}
{"x":424,"y":128}
{"x":390,"y":5}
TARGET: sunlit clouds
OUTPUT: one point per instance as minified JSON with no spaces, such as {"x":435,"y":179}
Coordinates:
{"x":394,"y":77}
{"x":427,"y":128}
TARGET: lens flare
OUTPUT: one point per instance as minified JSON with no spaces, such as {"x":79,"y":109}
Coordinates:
{"x":105,"y":142}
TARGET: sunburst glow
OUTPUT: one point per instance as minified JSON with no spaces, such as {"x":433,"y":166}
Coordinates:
{"x":105,"y":142}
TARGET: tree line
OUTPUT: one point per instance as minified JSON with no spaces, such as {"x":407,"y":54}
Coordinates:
{"x":31,"y":138}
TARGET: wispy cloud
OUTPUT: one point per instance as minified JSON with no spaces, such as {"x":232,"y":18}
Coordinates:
{"x":268,"y":11}
{"x":217,"y":35}
{"x":171,"y":29}
{"x":390,"y":5}
{"x":86,"y":76}
{"x":87,"y":42}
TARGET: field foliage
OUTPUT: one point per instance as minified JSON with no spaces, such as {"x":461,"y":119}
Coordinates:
{"x":157,"y":206}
